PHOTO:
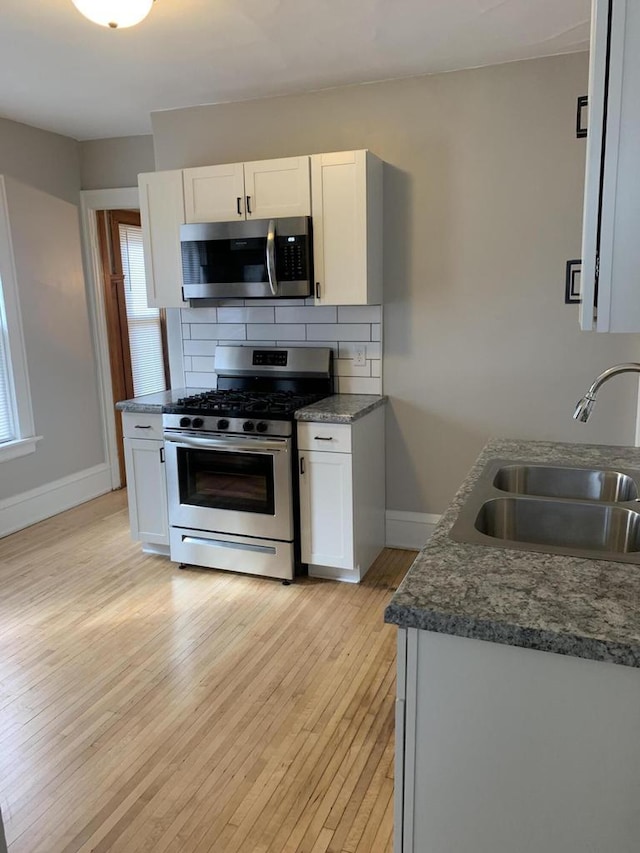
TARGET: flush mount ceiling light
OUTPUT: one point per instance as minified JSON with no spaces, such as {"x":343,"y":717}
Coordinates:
{"x":114,"y":13}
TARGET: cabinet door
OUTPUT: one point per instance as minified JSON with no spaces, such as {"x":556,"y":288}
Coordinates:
{"x":162,"y":214}
{"x":277,"y":188}
{"x":347,"y":227}
{"x":326,"y":509}
{"x":610,"y":246}
{"x":214,"y":193}
{"x":147,"y":490}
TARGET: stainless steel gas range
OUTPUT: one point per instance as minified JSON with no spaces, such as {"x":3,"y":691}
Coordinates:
{"x":230,"y":458}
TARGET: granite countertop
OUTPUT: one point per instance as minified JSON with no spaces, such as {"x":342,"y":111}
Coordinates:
{"x":568,"y":605}
{"x":155,"y":403}
{"x":340,"y":408}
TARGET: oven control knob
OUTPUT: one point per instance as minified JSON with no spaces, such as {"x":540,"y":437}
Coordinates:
{"x":198,"y":422}
{"x":247,"y":426}
{"x":262,"y":427}
{"x":223,"y":424}
{"x":185,"y":422}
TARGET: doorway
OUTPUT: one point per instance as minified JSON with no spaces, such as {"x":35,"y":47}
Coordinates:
{"x":136,"y":334}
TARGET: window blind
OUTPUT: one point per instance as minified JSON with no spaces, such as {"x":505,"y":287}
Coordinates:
{"x":145,"y":338}
{"x":7,"y":429}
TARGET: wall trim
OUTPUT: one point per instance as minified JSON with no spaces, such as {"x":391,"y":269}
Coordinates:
{"x":409,"y":530}
{"x":28,"y":508}
{"x":125,"y":198}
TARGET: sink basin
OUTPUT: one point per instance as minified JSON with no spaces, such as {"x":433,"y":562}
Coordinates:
{"x":556,"y":482}
{"x":556,"y":509}
{"x":585,"y":526}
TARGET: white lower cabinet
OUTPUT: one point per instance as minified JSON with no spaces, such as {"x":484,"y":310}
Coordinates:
{"x":342,"y":496}
{"x":326,"y":509}
{"x":146,"y":484}
{"x":501,"y":749}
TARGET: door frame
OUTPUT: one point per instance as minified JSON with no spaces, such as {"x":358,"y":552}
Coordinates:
{"x":122,"y":198}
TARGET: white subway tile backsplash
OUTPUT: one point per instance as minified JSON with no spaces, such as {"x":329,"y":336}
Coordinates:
{"x":278,"y":303}
{"x":199,"y":315}
{"x":332,"y":345}
{"x":290,"y":331}
{"x":339,"y":332}
{"x":346,"y":367}
{"x":359,"y":313}
{"x":348,"y":349}
{"x":357,"y":385}
{"x":203,"y":363}
{"x":246,"y":315}
{"x":219,"y":331}
{"x":308,"y":314}
{"x":207,"y":347}
{"x":286,"y":323}
{"x":200,"y":380}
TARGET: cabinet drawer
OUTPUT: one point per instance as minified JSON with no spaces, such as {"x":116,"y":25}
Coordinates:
{"x":321,"y":436}
{"x":142,"y":425}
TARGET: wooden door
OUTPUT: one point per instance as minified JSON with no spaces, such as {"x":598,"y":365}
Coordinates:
{"x":115,"y":301}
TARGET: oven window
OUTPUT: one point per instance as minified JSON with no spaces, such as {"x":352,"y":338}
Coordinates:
{"x":221,"y":480}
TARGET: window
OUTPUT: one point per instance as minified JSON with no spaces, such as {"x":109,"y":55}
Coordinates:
{"x":145,"y":332}
{"x":16,"y":416}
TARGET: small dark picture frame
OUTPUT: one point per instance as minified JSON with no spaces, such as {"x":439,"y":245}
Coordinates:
{"x":572,"y":292}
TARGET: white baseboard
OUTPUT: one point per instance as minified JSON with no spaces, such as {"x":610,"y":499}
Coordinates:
{"x":23,"y":510}
{"x":409,"y":530}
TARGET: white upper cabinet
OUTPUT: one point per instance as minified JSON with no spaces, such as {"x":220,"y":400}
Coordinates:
{"x":267,"y":189}
{"x":162,"y":214}
{"x":277,"y":188}
{"x":611,"y":228}
{"x":214,"y":193}
{"x":347,"y":228}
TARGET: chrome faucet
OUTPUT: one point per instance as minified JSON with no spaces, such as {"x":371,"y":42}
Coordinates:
{"x":586,"y":403}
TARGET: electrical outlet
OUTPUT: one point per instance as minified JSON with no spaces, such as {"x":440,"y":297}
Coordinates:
{"x":359,"y":356}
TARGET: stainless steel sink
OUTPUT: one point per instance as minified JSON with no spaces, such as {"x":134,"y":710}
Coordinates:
{"x":567,"y":524}
{"x":558,"y":482}
{"x":556,"y":509}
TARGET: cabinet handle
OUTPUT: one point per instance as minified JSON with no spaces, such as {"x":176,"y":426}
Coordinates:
{"x":317,"y":290}
{"x":322,"y":438}
{"x":162,"y":455}
{"x":147,"y":426}
{"x":238,"y":203}
{"x":581,"y":129}
{"x":249,"y":205}
{"x":302,"y":464}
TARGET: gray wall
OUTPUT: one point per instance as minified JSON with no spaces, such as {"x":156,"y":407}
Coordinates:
{"x":483,"y":200}
{"x":46,"y":244}
{"x":117,"y":162}
{"x":44,"y":160}
{"x":44,"y":222}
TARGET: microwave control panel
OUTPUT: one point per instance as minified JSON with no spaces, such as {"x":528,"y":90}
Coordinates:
{"x":292,"y":260}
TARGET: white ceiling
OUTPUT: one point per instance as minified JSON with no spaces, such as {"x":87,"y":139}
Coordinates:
{"x":63,"y":73}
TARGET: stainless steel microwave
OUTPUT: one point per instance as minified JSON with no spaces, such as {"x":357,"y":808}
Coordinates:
{"x":256,"y":259}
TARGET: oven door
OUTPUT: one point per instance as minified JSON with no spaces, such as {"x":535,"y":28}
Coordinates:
{"x":230,"y":484}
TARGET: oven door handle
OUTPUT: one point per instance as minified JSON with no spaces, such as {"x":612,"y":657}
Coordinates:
{"x":230,"y":446}
{"x":271,"y":257}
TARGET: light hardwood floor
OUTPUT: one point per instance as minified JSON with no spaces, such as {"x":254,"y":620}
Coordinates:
{"x":144,"y":708}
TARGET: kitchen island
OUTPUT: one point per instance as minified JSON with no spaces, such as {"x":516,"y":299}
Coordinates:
{"x":518,"y":711}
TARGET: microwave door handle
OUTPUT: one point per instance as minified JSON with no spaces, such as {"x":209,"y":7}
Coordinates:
{"x":271,"y":257}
